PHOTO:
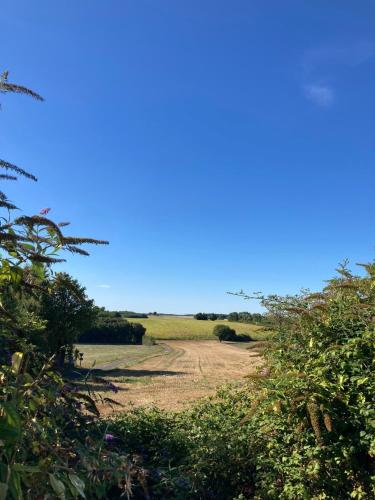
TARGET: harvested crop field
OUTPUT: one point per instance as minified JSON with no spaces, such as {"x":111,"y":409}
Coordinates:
{"x":180,"y":373}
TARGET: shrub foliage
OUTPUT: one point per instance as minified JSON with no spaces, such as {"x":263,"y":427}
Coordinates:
{"x":110,"y":329}
{"x":224,"y":332}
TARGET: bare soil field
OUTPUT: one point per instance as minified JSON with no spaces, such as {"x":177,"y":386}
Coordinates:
{"x":182,"y":372}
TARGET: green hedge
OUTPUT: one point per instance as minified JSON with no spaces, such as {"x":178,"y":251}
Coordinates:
{"x":113,"y":330}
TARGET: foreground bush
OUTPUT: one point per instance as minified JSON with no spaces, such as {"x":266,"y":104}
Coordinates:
{"x":315,"y":411}
{"x":52,"y":442}
{"x":202,"y":453}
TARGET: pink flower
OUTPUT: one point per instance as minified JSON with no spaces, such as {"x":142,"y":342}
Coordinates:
{"x":44,"y":211}
{"x":109,"y":437}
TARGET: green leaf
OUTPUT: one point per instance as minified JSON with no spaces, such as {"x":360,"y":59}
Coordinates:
{"x":78,"y":484}
{"x":31,"y":469}
{"x":361,"y":380}
{"x":17,"y":361}
{"x":57,"y":486}
{"x":10,"y":426}
{"x":3,"y":491}
{"x":15,"y":486}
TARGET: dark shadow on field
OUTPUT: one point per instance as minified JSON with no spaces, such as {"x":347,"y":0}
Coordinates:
{"x":125,"y":372}
{"x":81,"y":373}
{"x":88,"y":386}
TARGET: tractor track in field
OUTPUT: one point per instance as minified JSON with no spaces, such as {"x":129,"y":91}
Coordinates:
{"x":183,"y":373}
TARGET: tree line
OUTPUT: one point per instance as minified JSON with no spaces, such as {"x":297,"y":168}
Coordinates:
{"x":66,"y":315}
{"x":241,"y":317}
{"x":112,"y":328}
{"x":209,"y":316}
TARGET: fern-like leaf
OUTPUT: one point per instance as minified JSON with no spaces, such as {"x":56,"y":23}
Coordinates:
{"x":18,"y":170}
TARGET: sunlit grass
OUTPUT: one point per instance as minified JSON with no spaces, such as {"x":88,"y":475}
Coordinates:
{"x":98,"y":354}
{"x":188,"y":328}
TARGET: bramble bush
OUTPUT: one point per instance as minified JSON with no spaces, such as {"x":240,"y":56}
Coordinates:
{"x":315,"y":411}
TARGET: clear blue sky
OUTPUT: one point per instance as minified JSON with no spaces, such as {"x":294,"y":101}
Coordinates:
{"x":217,"y":144}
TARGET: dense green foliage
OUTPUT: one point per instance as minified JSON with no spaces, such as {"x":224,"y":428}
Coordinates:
{"x":132,"y":314}
{"x":110,"y":328}
{"x":242,"y":317}
{"x":246,"y":317}
{"x":233,"y":316}
{"x":224,"y":332}
{"x":68,"y":312}
{"x":51,"y":440}
{"x":320,"y":441}
{"x":201,"y":453}
{"x":209,"y":316}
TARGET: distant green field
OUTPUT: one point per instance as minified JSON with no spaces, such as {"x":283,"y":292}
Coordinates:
{"x":188,"y":328}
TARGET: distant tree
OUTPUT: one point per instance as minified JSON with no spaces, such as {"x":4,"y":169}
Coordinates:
{"x":233,"y":316}
{"x":258,"y":318}
{"x":132,"y":314}
{"x":245,"y":317}
{"x":212,"y":316}
{"x":222,"y":316}
{"x":224,"y":332}
{"x":201,"y":316}
{"x":68,"y":312}
{"x":29,"y":245}
{"x":138,"y":332}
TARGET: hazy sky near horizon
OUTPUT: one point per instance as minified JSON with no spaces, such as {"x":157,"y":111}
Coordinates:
{"x":217,"y":144}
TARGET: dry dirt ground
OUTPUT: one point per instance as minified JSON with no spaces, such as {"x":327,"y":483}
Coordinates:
{"x":182,"y":373}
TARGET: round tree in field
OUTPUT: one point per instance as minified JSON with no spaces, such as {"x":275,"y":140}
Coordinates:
{"x":224,"y":332}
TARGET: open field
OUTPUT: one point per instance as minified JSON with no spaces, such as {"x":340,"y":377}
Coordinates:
{"x":107,"y":355}
{"x":185,"y":365}
{"x":188,"y":328}
{"x":172,"y":374}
